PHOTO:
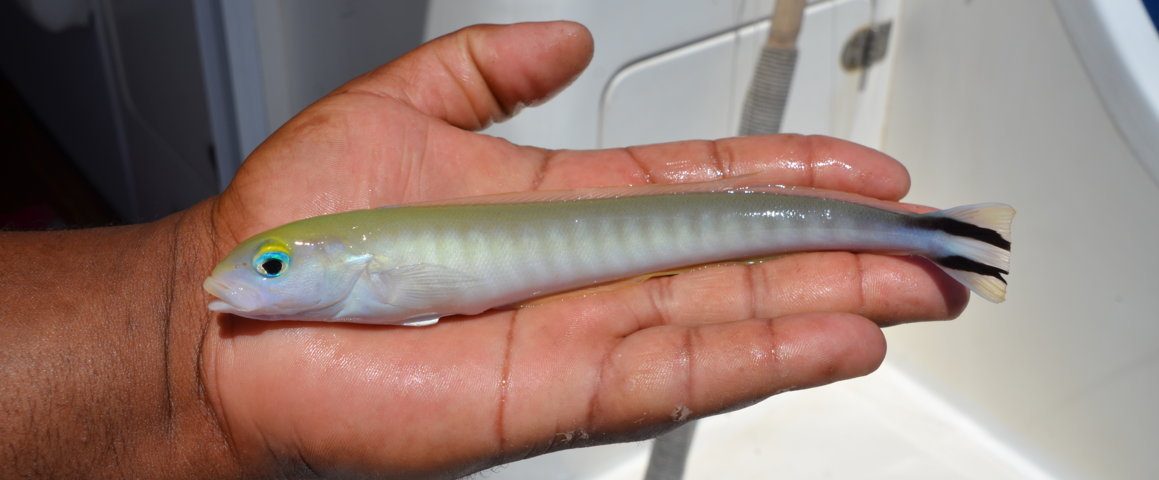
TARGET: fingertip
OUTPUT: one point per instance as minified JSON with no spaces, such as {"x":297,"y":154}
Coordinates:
{"x":900,"y":289}
{"x":528,"y":63}
{"x":889,"y":177}
{"x":742,"y":362}
{"x":483,"y":73}
{"x":837,"y":164}
{"x":789,"y":159}
{"x":825,"y":162}
{"x":657,"y":375}
{"x":572,"y":35}
{"x":834,"y":346}
{"x":578,"y":40}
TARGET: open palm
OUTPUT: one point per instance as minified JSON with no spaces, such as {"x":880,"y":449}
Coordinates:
{"x":618,"y":364}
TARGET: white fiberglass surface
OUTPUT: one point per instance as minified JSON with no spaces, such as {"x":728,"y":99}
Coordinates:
{"x":983,"y":101}
{"x":991,"y":102}
{"x":884,"y":426}
{"x":708,"y":80}
{"x":1119,"y":47}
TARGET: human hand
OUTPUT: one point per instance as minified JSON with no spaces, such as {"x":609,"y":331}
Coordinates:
{"x":617,"y":365}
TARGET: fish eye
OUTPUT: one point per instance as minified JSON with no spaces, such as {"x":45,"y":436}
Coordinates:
{"x":271,"y":263}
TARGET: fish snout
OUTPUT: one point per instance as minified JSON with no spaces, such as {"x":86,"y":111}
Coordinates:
{"x":230,"y":299}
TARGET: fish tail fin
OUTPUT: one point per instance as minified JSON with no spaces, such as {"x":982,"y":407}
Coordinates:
{"x":977,"y":252}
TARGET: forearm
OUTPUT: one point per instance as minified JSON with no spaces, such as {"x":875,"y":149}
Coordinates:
{"x":99,"y":360}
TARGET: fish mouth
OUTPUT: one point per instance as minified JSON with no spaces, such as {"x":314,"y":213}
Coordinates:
{"x":221,"y":307}
{"x":229,"y":300}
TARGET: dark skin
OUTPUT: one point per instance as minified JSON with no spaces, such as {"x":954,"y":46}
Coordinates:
{"x":113,"y":367}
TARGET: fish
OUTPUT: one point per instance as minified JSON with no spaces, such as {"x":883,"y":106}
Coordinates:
{"x":414,"y":264}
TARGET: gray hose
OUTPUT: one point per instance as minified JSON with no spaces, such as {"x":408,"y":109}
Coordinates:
{"x":670,"y":454}
{"x":764,"y":106}
{"x":764,"y":109}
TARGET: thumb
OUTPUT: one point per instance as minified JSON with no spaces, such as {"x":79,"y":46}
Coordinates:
{"x":484,"y":73}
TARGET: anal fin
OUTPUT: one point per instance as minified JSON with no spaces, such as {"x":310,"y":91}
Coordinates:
{"x":424,"y":320}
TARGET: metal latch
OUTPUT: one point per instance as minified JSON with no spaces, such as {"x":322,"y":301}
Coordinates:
{"x":866,"y":47}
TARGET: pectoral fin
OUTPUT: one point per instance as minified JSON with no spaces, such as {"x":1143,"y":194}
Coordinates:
{"x":421,"y":287}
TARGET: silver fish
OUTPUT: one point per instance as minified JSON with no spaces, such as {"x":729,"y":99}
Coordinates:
{"x":412,"y":265}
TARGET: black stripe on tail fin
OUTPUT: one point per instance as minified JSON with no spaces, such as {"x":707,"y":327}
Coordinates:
{"x":964,"y":264}
{"x":959,"y":228}
{"x":976,"y":249}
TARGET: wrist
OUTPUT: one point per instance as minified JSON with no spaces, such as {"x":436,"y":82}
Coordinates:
{"x":100,"y":352}
{"x":197,"y":444}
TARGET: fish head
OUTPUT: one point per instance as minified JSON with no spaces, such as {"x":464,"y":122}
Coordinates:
{"x":268,"y":277}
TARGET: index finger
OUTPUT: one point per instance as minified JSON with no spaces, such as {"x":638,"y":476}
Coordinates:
{"x":810,"y":161}
{"x":797,"y":160}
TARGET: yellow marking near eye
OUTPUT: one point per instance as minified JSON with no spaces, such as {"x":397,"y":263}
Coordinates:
{"x":272,"y":258}
{"x":273,"y":245}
